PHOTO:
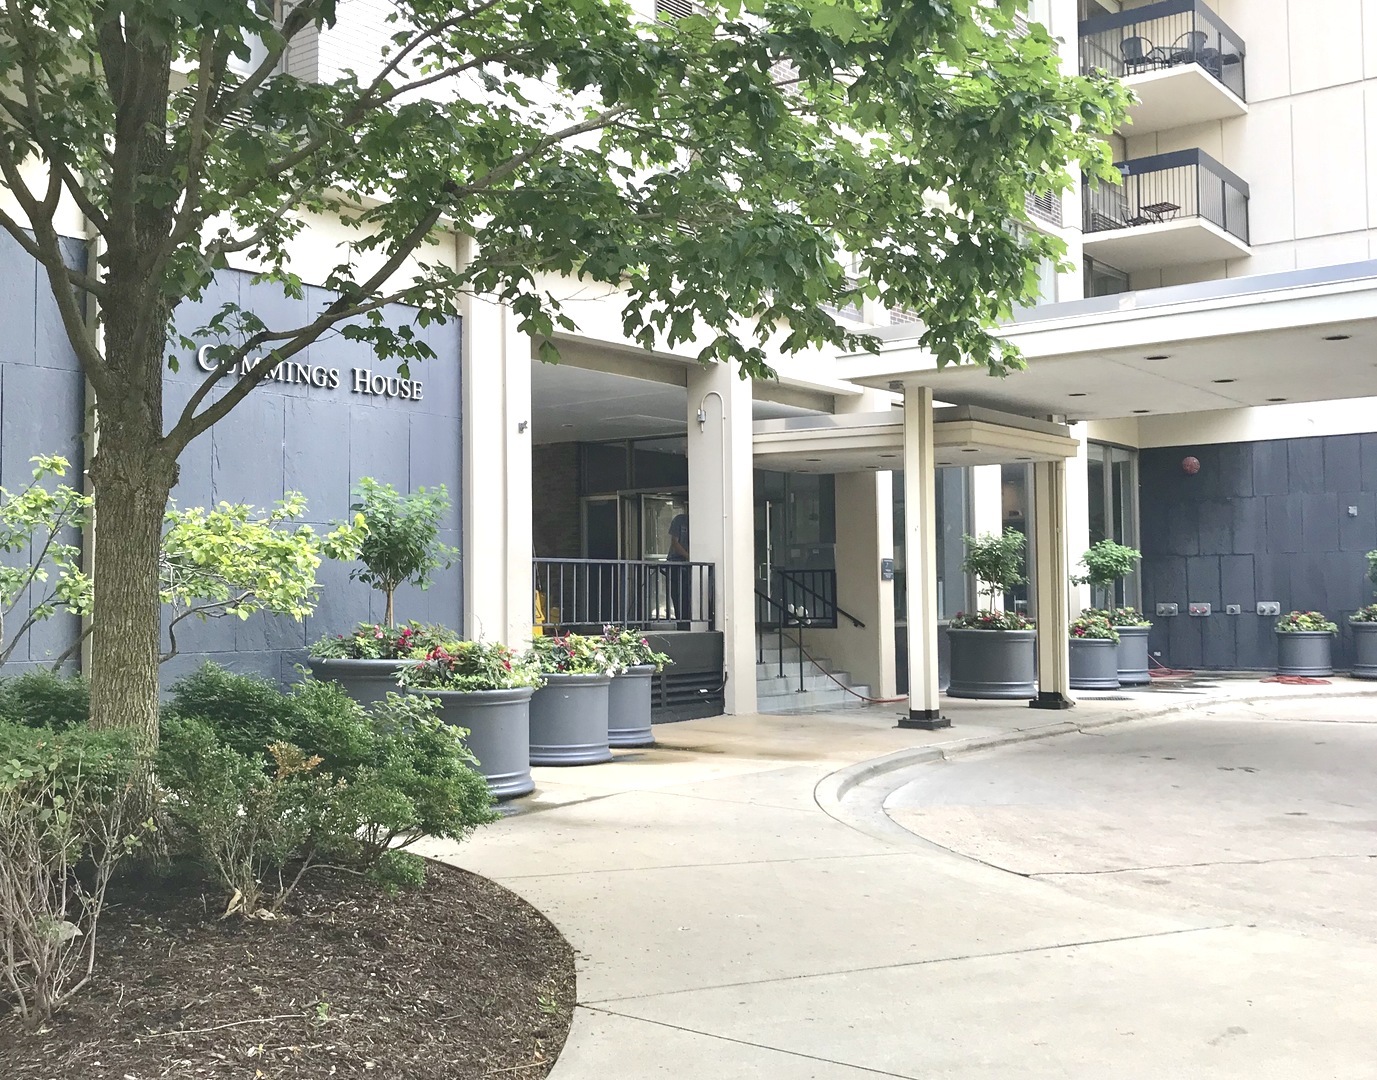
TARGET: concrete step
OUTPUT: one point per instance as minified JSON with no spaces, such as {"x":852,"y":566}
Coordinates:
{"x":771,"y":671}
{"x":765,"y":687}
{"x":811,"y":700}
{"x":771,"y":656}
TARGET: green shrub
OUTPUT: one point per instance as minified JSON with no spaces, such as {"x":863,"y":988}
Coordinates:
{"x":43,"y":699}
{"x":64,"y":803}
{"x":246,"y":711}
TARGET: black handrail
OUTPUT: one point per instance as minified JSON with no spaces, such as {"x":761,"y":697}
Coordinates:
{"x":785,"y":617}
{"x":794,"y":578}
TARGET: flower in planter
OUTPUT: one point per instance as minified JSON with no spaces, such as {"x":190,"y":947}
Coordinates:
{"x":991,"y":620}
{"x":472,"y":666}
{"x":1300,"y":622}
{"x":1092,"y":625}
{"x":373,"y":641}
{"x":572,"y":654}
{"x":1121,"y":616}
{"x":1365,"y":614}
{"x":628,"y":648}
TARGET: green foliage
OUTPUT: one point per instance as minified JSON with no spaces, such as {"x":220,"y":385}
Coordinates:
{"x":36,"y":523}
{"x":236,"y":560}
{"x":402,"y":543}
{"x":473,"y":665}
{"x":1365,"y":614}
{"x":265,"y":784}
{"x":1305,"y":621}
{"x":991,"y":620}
{"x":64,"y":801}
{"x":572,"y":654}
{"x":399,"y":870}
{"x":1106,"y":562}
{"x":1093,"y":625}
{"x":372,"y":641}
{"x":45,"y":699}
{"x":1371,"y":557}
{"x":995,"y":560}
{"x":1122,"y":616}
{"x":628,"y":648}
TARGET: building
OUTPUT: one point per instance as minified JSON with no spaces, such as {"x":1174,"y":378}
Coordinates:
{"x":1222,"y":306}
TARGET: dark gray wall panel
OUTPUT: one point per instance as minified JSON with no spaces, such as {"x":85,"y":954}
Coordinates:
{"x":1292,"y":540}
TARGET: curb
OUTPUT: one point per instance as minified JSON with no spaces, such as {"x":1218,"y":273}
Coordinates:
{"x":834,"y":787}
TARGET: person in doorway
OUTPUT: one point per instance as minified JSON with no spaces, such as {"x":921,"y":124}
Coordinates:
{"x":680,"y":601}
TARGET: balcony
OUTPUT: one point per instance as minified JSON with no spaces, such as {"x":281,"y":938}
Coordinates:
{"x":1175,"y":209}
{"x":1178,"y":56}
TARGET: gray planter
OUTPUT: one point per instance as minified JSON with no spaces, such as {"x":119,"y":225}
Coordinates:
{"x":366,"y":681}
{"x":569,"y":720}
{"x":1094,"y":663}
{"x":991,"y":663}
{"x":499,"y":726}
{"x":1364,"y":649}
{"x":1304,"y":652}
{"x":1133,"y":655}
{"x":628,"y":707}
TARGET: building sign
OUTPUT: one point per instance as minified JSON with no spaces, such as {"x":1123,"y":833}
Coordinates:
{"x":358,"y":380}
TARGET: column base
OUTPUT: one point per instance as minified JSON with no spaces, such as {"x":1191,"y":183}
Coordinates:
{"x":924,"y":719}
{"x":1051,"y":700}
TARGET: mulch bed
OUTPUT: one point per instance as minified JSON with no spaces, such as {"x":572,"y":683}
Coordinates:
{"x":458,"y":979}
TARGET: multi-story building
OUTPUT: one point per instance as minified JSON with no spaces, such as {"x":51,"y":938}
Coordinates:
{"x":1221,"y":306}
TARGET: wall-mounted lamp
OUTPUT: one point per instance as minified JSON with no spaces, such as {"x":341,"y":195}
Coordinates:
{"x":521,"y":426}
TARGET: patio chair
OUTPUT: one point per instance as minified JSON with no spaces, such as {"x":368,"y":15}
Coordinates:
{"x":1137,"y":53}
{"x":1189,"y":48}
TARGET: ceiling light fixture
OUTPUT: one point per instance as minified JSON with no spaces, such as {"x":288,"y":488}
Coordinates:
{"x":1337,"y":337}
{"x":970,"y":450}
{"x":1078,"y":394}
{"x":1158,"y":356}
{"x":889,"y":455}
{"x":1141,"y":411}
{"x":1223,"y":381}
{"x":813,"y":459}
{"x":1274,"y":400}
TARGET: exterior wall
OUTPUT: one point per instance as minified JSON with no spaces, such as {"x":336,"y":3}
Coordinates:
{"x":555,"y":522}
{"x":1260,"y":521}
{"x":42,"y":402}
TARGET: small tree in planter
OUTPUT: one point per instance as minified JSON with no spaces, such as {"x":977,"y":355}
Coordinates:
{"x":986,"y":664}
{"x":1106,"y":562}
{"x":1094,"y":658}
{"x":401,"y":546}
{"x":1363,"y":623}
{"x":1304,"y":640}
{"x":569,"y":713}
{"x":484,"y":688}
{"x":635,"y":662}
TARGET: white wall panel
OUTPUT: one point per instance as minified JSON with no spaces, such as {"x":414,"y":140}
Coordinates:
{"x":1329,"y":161}
{"x":1326,"y":43}
{"x":1257,"y":147}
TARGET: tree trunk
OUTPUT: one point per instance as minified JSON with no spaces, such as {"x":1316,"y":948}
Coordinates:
{"x":388,"y":615}
{"x":130,"y":500}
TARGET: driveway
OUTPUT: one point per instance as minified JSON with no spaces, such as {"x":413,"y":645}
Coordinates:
{"x":1132,"y":903}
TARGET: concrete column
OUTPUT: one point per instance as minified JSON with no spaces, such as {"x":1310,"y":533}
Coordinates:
{"x":1053,"y":604}
{"x":722,"y":514}
{"x":1078,"y":515}
{"x":497,"y":543}
{"x":920,"y":547}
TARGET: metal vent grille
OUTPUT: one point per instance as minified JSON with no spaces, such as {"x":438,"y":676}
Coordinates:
{"x":676,"y":9}
{"x":1045,"y":205}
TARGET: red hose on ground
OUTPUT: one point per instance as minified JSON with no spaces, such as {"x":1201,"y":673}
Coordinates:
{"x":1295,"y":680}
{"x":867,"y":700}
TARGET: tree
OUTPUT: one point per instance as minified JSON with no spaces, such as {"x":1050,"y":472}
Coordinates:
{"x":1105,"y":562}
{"x":401,"y":537}
{"x":995,"y":560}
{"x":729,"y":173}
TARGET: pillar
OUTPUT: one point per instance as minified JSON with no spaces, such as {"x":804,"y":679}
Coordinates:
{"x":1053,"y":593}
{"x":920,"y":547}
{"x":722,"y":515}
{"x":497,"y":542}
{"x":1078,"y":514}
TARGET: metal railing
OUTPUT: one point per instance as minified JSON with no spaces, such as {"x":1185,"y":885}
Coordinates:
{"x":1164,"y":35}
{"x":779,"y":618}
{"x":807,"y":597}
{"x":587,"y":594}
{"x":1169,"y":187}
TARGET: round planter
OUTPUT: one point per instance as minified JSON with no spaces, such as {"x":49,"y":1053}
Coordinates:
{"x":366,"y":681}
{"x":991,"y":663}
{"x":569,"y":720}
{"x":1094,"y":663}
{"x":499,"y":726}
{"x":1364,"y":649}
{"x":628,"y":707}
{"x":1133,"y":655}
{"x":1304,"y":652}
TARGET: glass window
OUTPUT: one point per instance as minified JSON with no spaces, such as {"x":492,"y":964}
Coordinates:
{"x":1016,"y":484}
{"x":1102,"y":279}
{"x":953,"y":507}
{"x":1112,"y":481}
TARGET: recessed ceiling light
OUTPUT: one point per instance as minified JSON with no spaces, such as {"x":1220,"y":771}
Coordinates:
{"x":566,"y":425}
{"x":970,"y":450}
{"x":1076,"y":395}
{"x":1023,"y":459}
{"x":944,"y":463}
{"x":1337,"y":337}
{"x":872,"y":466}
{"x":813,"y":459}
{"x":1221,"y":381}
{"x":1140,"y":411}
{"x":889,"y":455}
{"x":1158,"y":356}
{"x":1276,"y":399}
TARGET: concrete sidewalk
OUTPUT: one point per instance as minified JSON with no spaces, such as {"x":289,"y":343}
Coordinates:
{"x":727,"y":925}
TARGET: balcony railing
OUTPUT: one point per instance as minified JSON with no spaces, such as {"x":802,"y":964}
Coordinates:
{"x":584,"y":595}
{"x":1164,"y":35}
{"x":1169,"y":187}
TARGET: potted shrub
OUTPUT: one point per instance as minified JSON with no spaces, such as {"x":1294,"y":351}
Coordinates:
{"x":1304,"y":640}
{"x":1106,"y":562}
{"x":992,"y":651}
{"x":1094,"y":652}
{"x":1363,"y":623}
{"x":569,"y":711}
{"x":484,"y":688}
{"x":366,"y":661}
{"x":400,"y":546}
{"x":628,"y":698}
